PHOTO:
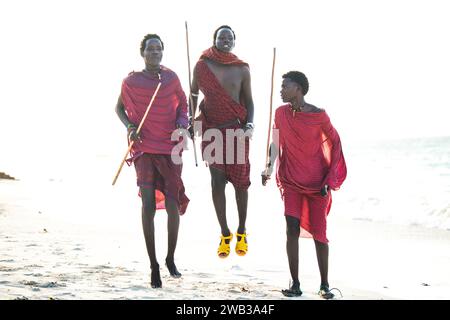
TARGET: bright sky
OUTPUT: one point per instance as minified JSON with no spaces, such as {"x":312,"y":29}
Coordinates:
{"x":379,"y":68}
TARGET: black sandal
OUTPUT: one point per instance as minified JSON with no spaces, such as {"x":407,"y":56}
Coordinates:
{"x":293,"y":291}
{"x":325,"y":292}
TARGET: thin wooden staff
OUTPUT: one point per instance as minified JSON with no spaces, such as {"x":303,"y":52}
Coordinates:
{"x":270,"y":115}
{"x":138,"y":130}
{"x":190,"y":91}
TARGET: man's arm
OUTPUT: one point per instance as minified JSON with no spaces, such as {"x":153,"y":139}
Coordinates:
{"x":131,"y":127}
{"x":273,"y":154}
{"x":337,"y":168}
{"x":120,"y":110}
{"x":182,"y":118}
{"x":193,"y":95}
{"x":247,"y":94}
{"x":273,"y":151}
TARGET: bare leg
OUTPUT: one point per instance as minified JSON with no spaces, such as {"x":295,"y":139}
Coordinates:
{"x":322,"y":260}
{"x":322,"y":251}
{"x":173,"y":223}
{"x":292,"y":232}
{"x":241,"y":200}
{"x":148,"y":215}
{"x":218,"y":183}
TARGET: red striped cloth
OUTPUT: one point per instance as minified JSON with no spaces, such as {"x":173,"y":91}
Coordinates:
{"x":310,"y":157}
{"x":226,"y":58}
{"x":217,"y":109}
{"x":169,"y":109}
{"x":159,"y":172}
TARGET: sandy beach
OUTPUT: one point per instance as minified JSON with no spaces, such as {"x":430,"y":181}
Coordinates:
{"x":63,"y":241}
{"x":379,"y":69}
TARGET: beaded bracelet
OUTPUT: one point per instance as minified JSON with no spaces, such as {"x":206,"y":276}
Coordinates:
{"x":250,"y":125}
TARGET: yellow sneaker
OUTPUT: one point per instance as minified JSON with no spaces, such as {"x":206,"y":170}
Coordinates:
{"x":241,"y":245}
{"x":224,"y":248}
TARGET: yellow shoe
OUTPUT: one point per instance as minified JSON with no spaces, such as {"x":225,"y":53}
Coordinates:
{"x":224,"y":248}
{"x":241,"y":245}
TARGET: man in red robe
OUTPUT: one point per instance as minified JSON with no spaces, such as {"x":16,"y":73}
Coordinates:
{"x":224,"y":80}
{"x":310,"y":164}
{"x":158,"y":176}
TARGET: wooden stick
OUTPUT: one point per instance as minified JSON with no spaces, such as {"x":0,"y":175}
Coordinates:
{"x":190,"y":91}
{"x":270,"y":115}
{"x":138,"y":130}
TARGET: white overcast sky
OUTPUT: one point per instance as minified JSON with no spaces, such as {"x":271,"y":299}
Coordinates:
{"x":379,"y":68}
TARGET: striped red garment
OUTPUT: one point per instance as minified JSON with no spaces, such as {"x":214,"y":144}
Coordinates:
{"x":226,"y":58}
{"x":310,"y":157}
{"x":169,"y":109}
{"x":217,"y":109}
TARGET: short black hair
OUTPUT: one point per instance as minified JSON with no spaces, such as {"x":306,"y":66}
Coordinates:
{"x":223,"y":27}
{"x":299,"y":78}
{"x":150,"y":36}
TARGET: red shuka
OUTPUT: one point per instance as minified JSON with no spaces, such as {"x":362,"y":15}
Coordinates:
{"x":168,"y":110}
{"x":218,"y":109}
{"x":310,"y":157}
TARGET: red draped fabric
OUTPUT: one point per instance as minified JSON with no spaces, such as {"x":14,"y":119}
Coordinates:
{"x":151,"y":156}
{"x":169,"y":109}
{"x":159,"y":172}
{"x":310,"y":157}
{"x":226,"y":58}
{"x":219,"y":110}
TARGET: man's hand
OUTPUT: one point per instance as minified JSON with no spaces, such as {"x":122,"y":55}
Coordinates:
{"x":265,"y":175}
{"x":264,"y":178}
{"x":324,"y":191}
{"x":183,"y":131}
{"x":248,"y":129}
{"x":132,"y":133}
{"x":190,"y":128}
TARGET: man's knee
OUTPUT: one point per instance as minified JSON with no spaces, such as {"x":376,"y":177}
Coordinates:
{"x":292,"y":227}
{"x":148,"y":201}
{"x":241,"y":191}
{"x":171,"y":208}
{"x":148,"y":206}
{"x":218,"y":183}
{"x":292,"y":233}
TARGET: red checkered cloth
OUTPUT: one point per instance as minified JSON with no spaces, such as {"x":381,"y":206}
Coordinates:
{"x":219,"y":110}
{"x":159,"y":172}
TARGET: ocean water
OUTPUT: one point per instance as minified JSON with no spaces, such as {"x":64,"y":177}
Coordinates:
{"x":398,"y":181}
{"x":403,"y":182}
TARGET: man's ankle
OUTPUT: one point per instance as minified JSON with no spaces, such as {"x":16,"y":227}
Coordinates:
{"x":154,"y":266}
